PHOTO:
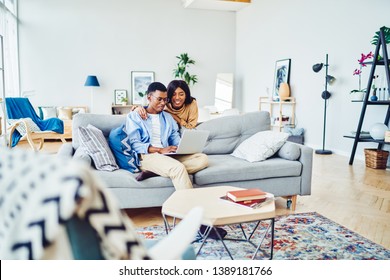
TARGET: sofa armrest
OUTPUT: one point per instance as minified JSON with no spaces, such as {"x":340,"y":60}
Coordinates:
{"x":306,"y":159}
{"x":66,"y":150}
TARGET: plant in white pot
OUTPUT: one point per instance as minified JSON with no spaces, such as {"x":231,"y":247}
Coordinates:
{"x":358,"y":94}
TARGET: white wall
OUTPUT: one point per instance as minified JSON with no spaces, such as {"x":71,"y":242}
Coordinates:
{"x":305,"y":31}
{"x":63,"y":41}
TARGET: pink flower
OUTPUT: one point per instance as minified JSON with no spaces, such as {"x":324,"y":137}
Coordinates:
{"x":364,"y":57}
{"x":362,"y":64}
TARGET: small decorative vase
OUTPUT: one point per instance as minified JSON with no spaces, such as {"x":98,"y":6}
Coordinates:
{"x":284,"y":91}
{"x":124,"y":103}
{"x":374,"y":97}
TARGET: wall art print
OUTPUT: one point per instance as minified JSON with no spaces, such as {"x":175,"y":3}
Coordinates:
{"x":282,"y":75}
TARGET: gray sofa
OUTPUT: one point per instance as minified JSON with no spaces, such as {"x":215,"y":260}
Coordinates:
{"x":282,"y":177}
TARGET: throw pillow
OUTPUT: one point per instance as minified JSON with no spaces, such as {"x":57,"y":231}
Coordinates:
{"x":95,"y":144}
{"x":48,"y":112}
{"x":77,"y":110}
{"x":289,"y":151}
{"x":119,"y":143}
{"x":65,"y":113}
{"x":260,"y":146}
{"x":21,"y":128}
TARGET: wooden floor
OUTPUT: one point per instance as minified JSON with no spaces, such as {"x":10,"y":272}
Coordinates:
{"x":353,"y":196}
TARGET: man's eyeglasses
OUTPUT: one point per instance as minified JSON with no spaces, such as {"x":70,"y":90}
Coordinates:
{"x":159,"y":99}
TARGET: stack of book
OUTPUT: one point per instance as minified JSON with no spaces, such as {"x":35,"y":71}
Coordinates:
{"x":252,"y":198}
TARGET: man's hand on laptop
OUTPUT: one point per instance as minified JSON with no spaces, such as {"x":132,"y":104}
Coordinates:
{"x":167,"y":150}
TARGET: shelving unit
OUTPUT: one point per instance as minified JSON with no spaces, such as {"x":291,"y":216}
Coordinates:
{"x":286,"y":101}
{"x":382,"y":62}
{"x":120,"y":109}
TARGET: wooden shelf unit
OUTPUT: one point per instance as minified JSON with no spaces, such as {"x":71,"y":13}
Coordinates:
{"x":121,"y":109}
{"x":286,"y":101}
{"x":383,"y":62}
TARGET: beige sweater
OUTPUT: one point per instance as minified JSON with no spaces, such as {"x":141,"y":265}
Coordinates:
{"x":186,"y":116}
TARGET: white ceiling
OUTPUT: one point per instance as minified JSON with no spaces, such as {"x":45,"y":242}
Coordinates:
{"x":220,"y":5}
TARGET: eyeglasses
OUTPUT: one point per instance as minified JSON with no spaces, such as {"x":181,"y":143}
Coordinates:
{"x":159,"y":99}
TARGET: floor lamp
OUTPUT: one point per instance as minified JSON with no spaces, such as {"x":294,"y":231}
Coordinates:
{"x":325,"y":95}
{"x":92,"y":81}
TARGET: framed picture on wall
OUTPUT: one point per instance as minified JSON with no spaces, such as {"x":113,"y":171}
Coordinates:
{"x":282,"y":75}
{"x":120,"y":96}
{"x":140,"y":80}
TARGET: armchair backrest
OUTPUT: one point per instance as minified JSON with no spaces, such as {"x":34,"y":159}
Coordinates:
{"x":20,"y":107}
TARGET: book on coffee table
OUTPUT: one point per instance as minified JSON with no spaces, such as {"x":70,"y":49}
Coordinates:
{"x":242,"y":195}
{"x":254,"y":204}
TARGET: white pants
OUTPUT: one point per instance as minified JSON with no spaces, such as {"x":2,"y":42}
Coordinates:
{"x":176,"y":167}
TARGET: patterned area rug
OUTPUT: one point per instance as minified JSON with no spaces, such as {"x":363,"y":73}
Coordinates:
{"x":304,"y":236}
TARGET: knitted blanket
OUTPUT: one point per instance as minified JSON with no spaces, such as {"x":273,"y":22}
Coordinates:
{"x":39,"y":193}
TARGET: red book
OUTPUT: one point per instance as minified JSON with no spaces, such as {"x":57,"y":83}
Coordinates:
{"x":246,"y":203}
{"x":242,"y":195}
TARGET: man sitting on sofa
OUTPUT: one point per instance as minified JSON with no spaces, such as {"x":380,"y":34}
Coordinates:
{"x":158,"y":135}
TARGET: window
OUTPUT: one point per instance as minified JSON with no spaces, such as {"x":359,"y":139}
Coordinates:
{"x":9,"y":31}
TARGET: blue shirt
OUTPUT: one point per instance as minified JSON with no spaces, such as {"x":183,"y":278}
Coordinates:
{"x":140,"y":131}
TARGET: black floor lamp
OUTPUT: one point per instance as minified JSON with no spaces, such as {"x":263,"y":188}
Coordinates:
{"x":325,"y":95}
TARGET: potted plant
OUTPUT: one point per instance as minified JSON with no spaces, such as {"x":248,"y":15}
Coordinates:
{"x":124,"y":101}
{"x":386,"y":32}
{"x":181,"y":71}
{"x":358,"y":94}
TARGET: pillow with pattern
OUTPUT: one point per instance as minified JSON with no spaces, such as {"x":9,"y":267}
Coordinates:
{"x":96,"y":146}
{"x":21,"y":128}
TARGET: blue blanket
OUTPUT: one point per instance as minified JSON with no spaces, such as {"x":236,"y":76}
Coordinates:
{"x":18,"y":108}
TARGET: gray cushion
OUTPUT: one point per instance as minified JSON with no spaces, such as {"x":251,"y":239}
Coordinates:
{"x":226,"y":168}
{"x":104,"y":122}
{"x":226,"y":133}
{"x":81,"y":154}
{"x":95,"y":144}
{"x":289,"y":151}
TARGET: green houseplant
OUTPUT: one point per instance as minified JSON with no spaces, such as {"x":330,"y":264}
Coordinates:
{"x":181,"y":71}
{"x":124,"y":100}
{"x":386,"y":31}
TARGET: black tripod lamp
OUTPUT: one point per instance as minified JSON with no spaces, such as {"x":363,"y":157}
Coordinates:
{"x":325,"y":95}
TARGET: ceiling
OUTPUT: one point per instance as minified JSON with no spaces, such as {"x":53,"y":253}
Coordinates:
{"x":220,"y":5}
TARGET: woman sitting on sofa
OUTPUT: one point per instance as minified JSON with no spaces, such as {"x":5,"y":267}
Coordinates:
{"x":181,"y":105}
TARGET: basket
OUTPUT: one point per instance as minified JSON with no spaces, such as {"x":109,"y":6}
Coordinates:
{"x":376,"y":159}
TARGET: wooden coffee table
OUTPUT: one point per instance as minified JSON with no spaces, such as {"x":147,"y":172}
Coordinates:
{"x":219,"y":213}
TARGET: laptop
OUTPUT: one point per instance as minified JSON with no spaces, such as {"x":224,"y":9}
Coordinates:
{"x":192,"y":141}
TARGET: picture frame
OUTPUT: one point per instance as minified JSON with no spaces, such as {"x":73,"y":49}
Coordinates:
{"x":140,"y":80}
{"x":118,"y":95}
{"x":282,"y":75}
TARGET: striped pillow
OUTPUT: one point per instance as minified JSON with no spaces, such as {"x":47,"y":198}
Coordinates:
{"x":95,"y":144}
